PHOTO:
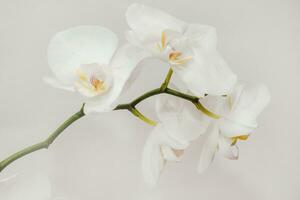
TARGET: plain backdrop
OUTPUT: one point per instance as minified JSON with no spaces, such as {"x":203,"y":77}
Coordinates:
{"x":99,"y":157}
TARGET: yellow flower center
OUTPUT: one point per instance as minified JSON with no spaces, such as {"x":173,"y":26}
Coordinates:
{"x":98,"y":84}
{"x":174,"y":57}
{"x":92,"y":84}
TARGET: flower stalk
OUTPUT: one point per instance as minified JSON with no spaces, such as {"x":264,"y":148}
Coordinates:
{"x":131,"y":107}
{"x":44,"y":144}
{"x":163,"y":89}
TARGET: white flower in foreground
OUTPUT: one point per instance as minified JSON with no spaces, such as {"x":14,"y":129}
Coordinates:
{"x":178,"y":127}
{"x":238,"y":121}
{"x":190,"y":49}
{"x":85,"y":59}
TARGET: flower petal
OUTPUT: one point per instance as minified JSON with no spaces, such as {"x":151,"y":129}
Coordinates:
{"x":159,"y":148}
{"x":122,"y":65}
{"x":25,"y":187}
{"x":247,"y":103}
{"x":206,"y":73}
{"x":169,"y":153}
{"x":182,"y":121}
{"x":226,"y":148}
{"x":152,"y":160}
{"x":201,"y":36}
{"x":79,"y":45}
{"x":190,"y":126}
{"x":150,"y":21}
{"x":209,"y":148}
{"x":168,"y":108}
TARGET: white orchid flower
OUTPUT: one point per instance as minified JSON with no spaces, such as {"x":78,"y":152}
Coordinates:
{"x":238,"y":122}
{"x":178,"y":127}
{"x":85,"y":59}
{"x":190,"y":49}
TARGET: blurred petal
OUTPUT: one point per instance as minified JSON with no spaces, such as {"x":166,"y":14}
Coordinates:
{"x":146,"y":20}
{"x":122,"y":65}
{"x":152,"y":161}
{"x":209,"y":148}
{"x":24,"y":187}
{"x":79,"y":45}
{"x":8,"y":179}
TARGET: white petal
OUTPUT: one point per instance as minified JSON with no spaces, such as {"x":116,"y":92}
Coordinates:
{"x":180,"y":118}
{"x":150,"y":21}
{"x":147,"y":42}
{"x":206,"y":73}
{"x":152,"y":161}
{"x":169,"y":154}
{"x":158,"y":149}
{"x":57,"y":84}
{"x":168,"y":108}
{"x":80,"y":45}
{"x":172,"y":140}
{"x":226,"y":149}
{"x":209,"y":148}
{"x":152,"y":164}
{"x":191,"y":126}
{"x":133,"y":38}
{"x":233,"y":129}
{"x":247,"y":103}
{"x":8,"y":179}
{"x":122,"y":65}
{"x":166,"y":137}
{"x":201,"y":36}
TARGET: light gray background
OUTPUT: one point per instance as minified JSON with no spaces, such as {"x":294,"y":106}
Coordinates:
{"x":99,"y":157}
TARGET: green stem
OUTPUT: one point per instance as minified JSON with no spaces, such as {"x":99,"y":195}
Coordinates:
{"x":167,"y":80}
{"x":157,"y":91}
{"x":204,"y":110}
{"x":164,"y":90}
{"x":138,"y":114}
{"x":42,"y":145}
{"x":129,"y":106}
{"x":181,"y":95}
{"x":145,"y":96}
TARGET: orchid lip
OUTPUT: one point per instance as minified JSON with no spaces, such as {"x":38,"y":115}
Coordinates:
{"x":91,"y":82}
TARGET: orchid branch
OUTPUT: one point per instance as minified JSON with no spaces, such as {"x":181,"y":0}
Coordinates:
{"x":131,"y":107}
{"x":163,"y":89}
{"x":193,"y":99}
{"x":44,"y":144}
{"x":167,"y":79}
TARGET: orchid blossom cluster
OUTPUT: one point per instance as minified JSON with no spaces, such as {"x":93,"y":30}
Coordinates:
{"x":87,"y":60}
